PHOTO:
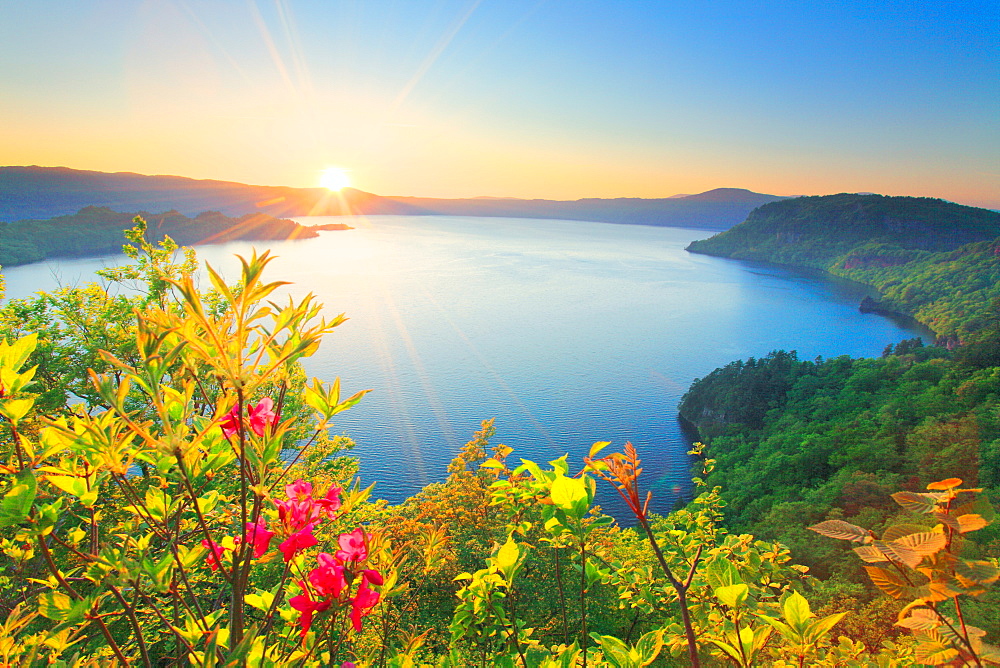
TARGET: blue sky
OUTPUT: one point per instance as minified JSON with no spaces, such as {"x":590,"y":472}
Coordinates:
{"x":528,"y":99}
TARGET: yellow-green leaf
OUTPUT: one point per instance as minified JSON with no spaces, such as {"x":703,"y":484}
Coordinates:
{"x":15,"y":409}
{"x":566,"y":492}
{"x":732,"y":595}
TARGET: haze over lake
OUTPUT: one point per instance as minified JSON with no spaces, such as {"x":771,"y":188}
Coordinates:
{"x":567,"y":332}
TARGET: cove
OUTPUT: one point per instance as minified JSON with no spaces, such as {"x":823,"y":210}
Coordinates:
{"x":566,"y":332}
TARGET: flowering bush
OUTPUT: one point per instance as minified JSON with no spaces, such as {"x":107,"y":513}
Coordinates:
{"x":156,"y":511}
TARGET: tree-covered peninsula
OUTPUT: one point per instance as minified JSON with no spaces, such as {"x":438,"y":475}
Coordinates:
{"x":98,"y":230}
{"x":936,"y":261}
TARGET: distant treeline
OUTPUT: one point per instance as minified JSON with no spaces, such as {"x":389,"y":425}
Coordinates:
{"x":98,"y":230}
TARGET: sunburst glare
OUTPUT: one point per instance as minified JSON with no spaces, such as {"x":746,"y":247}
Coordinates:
{"x":334,"y":178}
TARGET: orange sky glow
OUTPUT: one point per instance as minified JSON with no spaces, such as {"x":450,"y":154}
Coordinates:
{"x":464,"y":99}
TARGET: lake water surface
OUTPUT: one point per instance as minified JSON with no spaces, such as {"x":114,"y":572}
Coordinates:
{"x":566,"y":332}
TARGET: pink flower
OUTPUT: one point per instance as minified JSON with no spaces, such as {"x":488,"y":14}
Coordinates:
{"x":331,"y":502}
{"x":301,"y":508}
{"x":215,"y":553}
{"x":231,"y":422}
{"x":353,"y":545}
{"x":362,"y":603}
{"x":305,"y":605}
{"x":348,"y":664}
{"x":300,"y":490}
{"x":262,"y":416}
{"x":259,"y":537}
{"x":297,"y":542}
{"x":372,"y":576}
{"x":328,"y":578}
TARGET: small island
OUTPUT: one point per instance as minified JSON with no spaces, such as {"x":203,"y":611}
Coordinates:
{"x":329,"y":227}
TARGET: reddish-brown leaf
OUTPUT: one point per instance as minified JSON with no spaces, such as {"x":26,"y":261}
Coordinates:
{"x":924,"y":543}
{"x":971,"y":522}
{"x":889,"y":582}
{"x":915,"y":502}
{"x":843,"y":531}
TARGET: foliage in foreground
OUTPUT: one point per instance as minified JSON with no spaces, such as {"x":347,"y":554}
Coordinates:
{"x":194,"y":511}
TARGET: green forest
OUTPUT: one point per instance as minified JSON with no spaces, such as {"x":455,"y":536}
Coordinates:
{"x":170,"y":494}
{"x":98,"y":230}
{"x":932,"y":260}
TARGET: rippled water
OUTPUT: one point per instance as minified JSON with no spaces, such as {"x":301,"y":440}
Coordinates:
{"x":566,"y":332}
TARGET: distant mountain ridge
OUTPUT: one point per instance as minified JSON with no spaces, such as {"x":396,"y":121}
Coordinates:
{"x":46,"y":192}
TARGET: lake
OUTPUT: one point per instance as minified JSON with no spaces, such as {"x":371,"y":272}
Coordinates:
{"x":566,"y":332}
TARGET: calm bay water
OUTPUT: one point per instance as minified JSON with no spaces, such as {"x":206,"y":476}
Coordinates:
{"x":566,"y":332}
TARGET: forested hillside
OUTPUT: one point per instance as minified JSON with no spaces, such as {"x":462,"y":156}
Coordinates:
{"x":97,"y":230}
{"x":802,"y":441}
{"x":933,"y":260}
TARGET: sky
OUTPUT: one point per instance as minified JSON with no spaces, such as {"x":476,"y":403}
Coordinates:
{"x":557,"y":99}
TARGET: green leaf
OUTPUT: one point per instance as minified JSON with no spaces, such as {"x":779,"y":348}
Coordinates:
{"x":261,"y":600}
{"x":54,"y":605}
{"x":821,"y":627}
{"x":796,"y":610}
{"x":17,"y":354}
{"x":16,"y":504}
{"x":560,"y":465}
{"x":615,"y":651}
{"x":733,"y":653}
{"x":69,"y":484}
{"x":59,"y":607}
{"x":786,"y":632}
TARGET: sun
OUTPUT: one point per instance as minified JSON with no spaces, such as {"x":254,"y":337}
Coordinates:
{"x":334,"y":178}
